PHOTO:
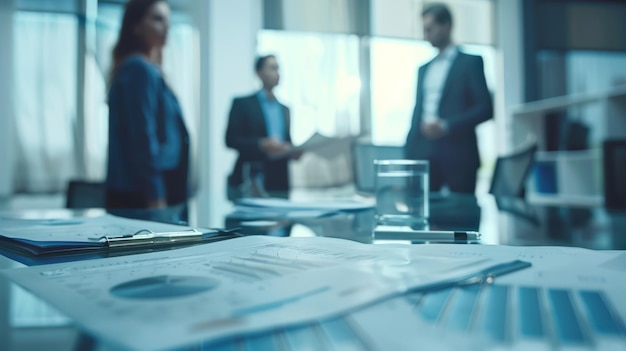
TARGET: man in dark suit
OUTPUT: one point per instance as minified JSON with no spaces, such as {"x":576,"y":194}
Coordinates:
{"x":258,"y":128}
{"x":452,"y":98}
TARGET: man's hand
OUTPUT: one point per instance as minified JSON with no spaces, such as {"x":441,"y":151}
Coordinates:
{"x":434,"y":129}
{"x":294,"y":155}
{"x":158,"y":203}
{"x":273,"y":147}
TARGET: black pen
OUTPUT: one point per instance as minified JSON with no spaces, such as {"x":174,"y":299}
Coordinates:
{"x":485,"y":276}
{"x":386,"y":232}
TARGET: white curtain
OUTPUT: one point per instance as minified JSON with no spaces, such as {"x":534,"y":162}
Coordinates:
{"x":96,"y":119}
{"x":45,"y":106}
{"x":181,"y":64}
{"x":320,"y":84}
{"x":97,"y":66}
{"x":46,"y":94}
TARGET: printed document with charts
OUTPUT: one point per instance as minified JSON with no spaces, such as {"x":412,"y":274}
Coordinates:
{"x":571,"y":299}
{"x":163,"y":300}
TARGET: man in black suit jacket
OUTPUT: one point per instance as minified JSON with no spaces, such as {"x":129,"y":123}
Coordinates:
{"x":258,"y":128}
{"x":452,"y":98}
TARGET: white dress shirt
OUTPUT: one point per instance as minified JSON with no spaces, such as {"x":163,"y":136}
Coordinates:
{"x":434,"y":80}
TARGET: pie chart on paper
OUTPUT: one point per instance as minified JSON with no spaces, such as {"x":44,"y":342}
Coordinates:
{"x":163,"y":287}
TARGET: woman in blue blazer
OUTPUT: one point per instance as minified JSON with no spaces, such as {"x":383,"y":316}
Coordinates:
{"x":148,"y":142}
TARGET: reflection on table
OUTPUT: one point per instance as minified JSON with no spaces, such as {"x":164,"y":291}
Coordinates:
{"x":500,"y":220}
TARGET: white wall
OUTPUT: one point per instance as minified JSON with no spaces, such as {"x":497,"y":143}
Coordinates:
{"x":7,"y":140}
{"x":228,"y":32}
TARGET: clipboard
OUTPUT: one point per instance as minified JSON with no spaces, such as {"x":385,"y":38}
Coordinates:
{"x":151,"y":239}
{"x":107,"y":233}
{"x":29,"y":259}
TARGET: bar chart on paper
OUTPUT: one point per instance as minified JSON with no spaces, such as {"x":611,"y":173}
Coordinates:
{"x":528,"y":315}
{"x":500,"y":316}
{"x":210,"y":292}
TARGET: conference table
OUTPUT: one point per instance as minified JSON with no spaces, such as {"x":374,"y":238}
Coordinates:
{"x":28,"y":323}
{"x":499,"y":220}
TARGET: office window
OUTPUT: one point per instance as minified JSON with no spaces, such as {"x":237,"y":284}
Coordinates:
{"x":393,"y":86}
{"x":53,"y":140}
{"x":319,"y":80}
{"x":45,"y":93}
{"x":320,"y":83}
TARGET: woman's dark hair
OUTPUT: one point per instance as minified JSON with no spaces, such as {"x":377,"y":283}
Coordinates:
{"x":260,"y":61}
{"x":440,"y":12}
{"x":128,"y":43}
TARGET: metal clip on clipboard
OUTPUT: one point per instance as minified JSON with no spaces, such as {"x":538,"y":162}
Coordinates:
{"x":141,"y":239}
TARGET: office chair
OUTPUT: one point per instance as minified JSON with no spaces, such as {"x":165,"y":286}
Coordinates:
{"x":519,"y":209}
{"x":363,"y":157}
{"x":84,"y":194}
{"x":511,"y":172}
{"x":614,"y":169}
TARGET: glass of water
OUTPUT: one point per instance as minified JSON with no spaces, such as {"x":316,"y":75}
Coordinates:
{"x":402,"y":192}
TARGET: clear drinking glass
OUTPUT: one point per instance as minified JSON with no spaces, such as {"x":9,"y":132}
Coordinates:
{"x":402,"y":192}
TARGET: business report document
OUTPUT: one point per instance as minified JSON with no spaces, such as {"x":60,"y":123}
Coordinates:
{"x":571,"y":299}
{"x":163,"y":300}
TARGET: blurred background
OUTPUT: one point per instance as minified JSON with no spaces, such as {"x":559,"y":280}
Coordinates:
{"x":347,"y":67}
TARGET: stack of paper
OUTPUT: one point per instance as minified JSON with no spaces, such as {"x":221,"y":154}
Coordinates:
{"x":572,"y":299}
{"x":277,"y":208}
{"x":164,"y":300}
{"x":287,"y":205}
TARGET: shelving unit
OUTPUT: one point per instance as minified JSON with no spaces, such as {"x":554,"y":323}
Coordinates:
{"x":578,"y":178}
{"x":578,"y":174}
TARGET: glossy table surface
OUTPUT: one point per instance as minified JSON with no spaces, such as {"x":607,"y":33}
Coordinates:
{"x":28,"y":323}
{"x":501,"y":221}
